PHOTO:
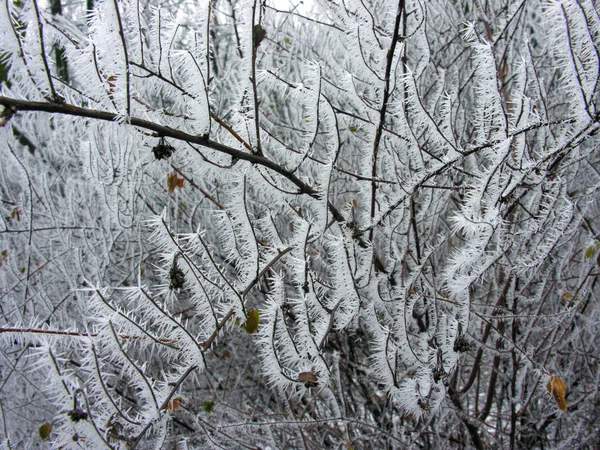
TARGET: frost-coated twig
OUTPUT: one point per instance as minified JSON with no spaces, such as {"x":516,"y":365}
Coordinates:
{"x":164,"y":405}
{"x":254,"y":282}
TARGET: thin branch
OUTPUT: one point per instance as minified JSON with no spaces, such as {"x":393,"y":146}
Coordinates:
{"x":400,"y":13}
{"x":253,"y":283}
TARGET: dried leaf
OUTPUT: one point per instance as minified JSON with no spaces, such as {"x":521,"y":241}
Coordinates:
{"x":307,"y":377}
{"x":251,"y":324}
{"x":112,"y":82}
{"x":15,"y":213}
{"x":567,"y":299}
{"x":259,"y":34}
{"x":45,"y":430}
{"x":174,"y":181}
{"x":114,"y":430}
{"x":77,"y":414}
{"x":174,"y":404}
{"x":558,"y":389}
{"x":6,"y":115}
{"x":163,"y":150}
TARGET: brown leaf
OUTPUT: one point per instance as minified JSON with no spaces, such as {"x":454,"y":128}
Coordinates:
{"x":173,"y":181}
{"x":307,"y":377}
{"x":173,"y":404}
{"x":558,"y":389}
{"x":112,"y":82}
{"x":15,"y":213}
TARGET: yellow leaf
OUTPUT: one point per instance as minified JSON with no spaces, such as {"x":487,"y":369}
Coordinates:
{"x":558,"y":389}
{"x":251,"y":324}
{"x":45,"y":430}
{"x":589,"y":252}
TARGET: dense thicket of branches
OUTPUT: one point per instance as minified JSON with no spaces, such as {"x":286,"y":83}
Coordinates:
{"x":359,"y":224}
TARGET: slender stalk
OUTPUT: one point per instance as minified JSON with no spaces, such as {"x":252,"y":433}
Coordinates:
{"x":400,"y":13}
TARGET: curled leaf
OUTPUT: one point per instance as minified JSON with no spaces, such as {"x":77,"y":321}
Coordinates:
{"x":15,"y":213}
{"x":163,"y":149}
{"x":174,"y":404}
{"x":173,"y":181}
{"x":177,"y":276}
{"x":558,"y":389}
{"x":77,"y":414}
{"x":112,"y":82}
{"x":259,"y":34}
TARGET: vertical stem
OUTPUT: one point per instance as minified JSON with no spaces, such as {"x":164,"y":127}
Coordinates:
{"x":254,"y":93}
{"x":126,"y":57}
{"x":43,"y":51}
{"x":30,"y":231}
{"x":400,"y":17}
{"x":208,"y":58}
{"x":513,"y":380}
{"x":235,"y":30}
{"x":60,"y":58}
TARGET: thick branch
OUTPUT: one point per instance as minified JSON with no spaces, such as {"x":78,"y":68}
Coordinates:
{"x":15,"y":105}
